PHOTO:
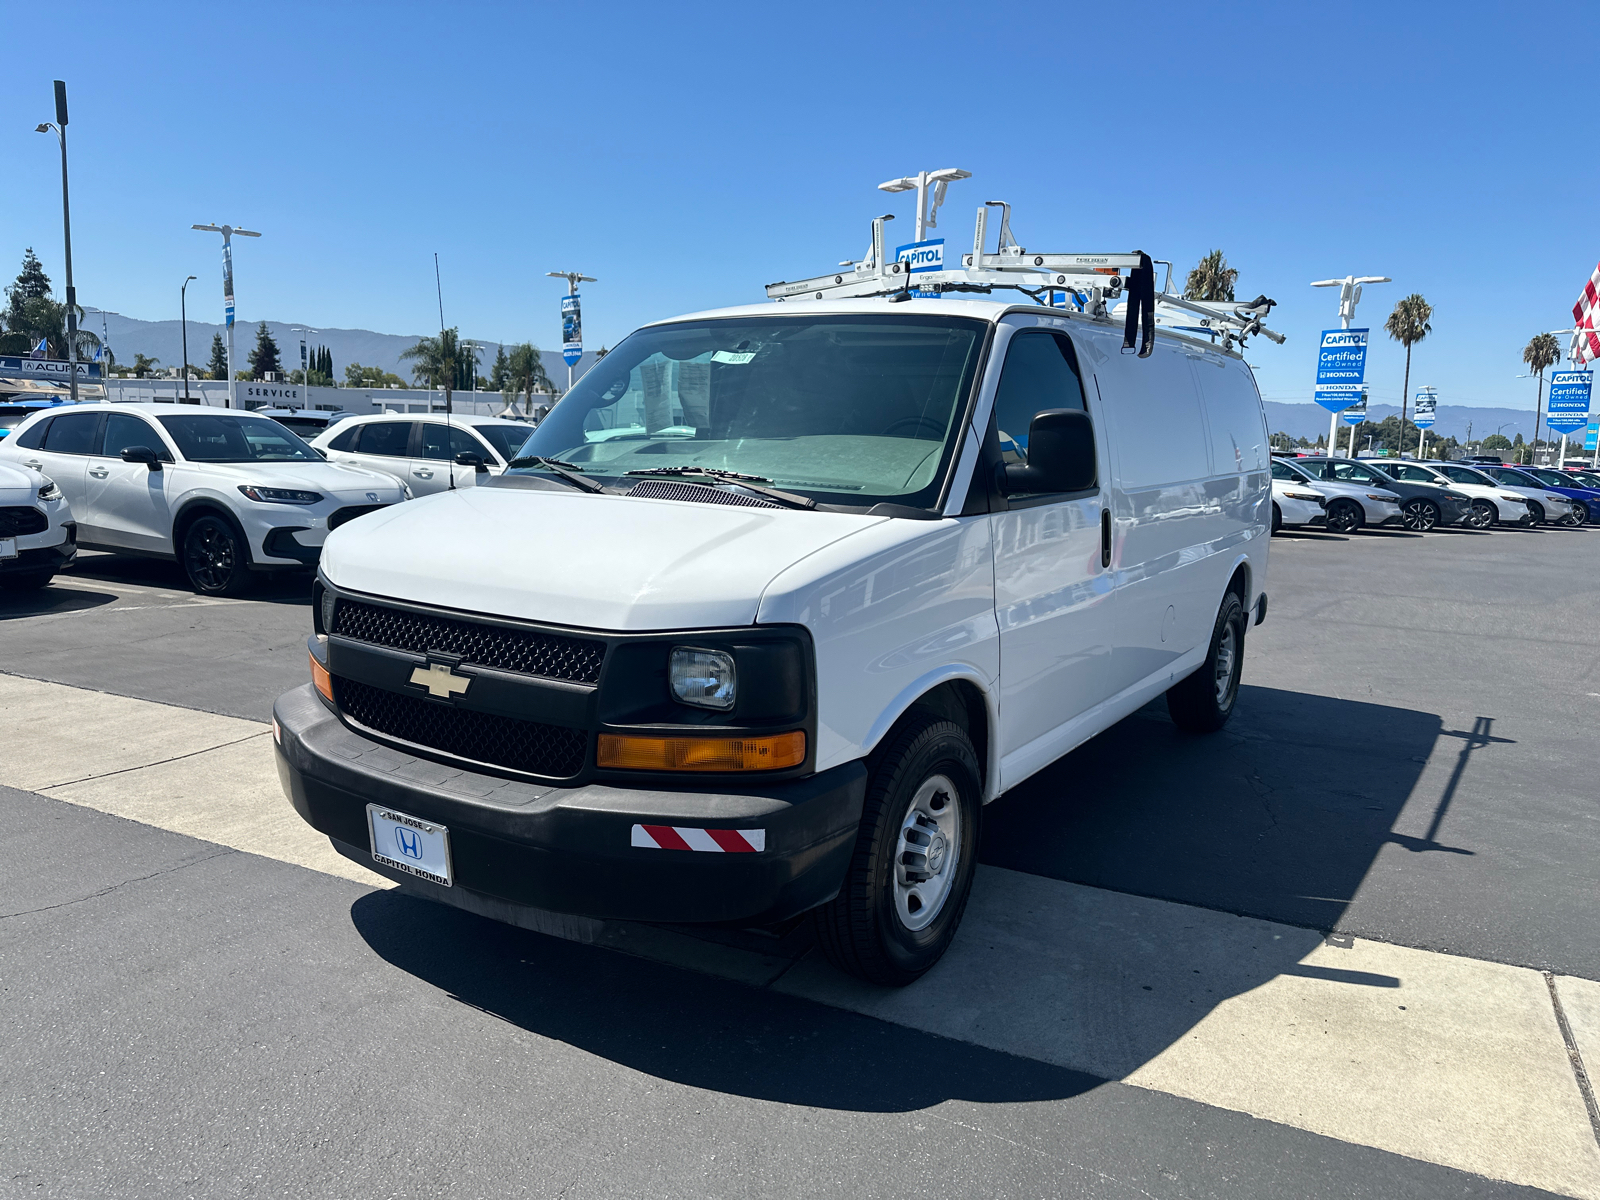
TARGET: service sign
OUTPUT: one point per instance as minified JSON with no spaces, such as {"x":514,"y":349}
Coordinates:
{"x":1341,"y":367}
{"x":1427,"y":409}
{"x":1569,"y":400}
{"x":571,"y":330}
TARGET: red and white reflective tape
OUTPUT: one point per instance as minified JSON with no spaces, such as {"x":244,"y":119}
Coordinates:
{"x":684,"y":837}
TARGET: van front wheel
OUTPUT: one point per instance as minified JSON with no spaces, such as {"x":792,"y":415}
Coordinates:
{"x":911,"y":873}
{"x":1203,"y":702}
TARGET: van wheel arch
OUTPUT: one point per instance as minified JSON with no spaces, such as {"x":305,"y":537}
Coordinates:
{"x":959,"y":701}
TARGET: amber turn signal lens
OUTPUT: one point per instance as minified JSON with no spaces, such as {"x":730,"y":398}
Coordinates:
{"x":320,"y":679}
{"x":702,"y":754}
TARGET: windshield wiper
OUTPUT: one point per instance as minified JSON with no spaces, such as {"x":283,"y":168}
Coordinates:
{"x":748,"y":482}
{"x":562,"y":470}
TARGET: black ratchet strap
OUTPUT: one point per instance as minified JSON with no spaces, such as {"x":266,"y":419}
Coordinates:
{"x":1141,"y":306}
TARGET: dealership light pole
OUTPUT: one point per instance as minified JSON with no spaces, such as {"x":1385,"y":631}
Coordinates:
{"x":1349,"y":296}
{"x":60,"y":128}
{"x":183,"y":316}
{"x":573,"y":280}
{"x":227,"y":232}
{"x":305,"y":362}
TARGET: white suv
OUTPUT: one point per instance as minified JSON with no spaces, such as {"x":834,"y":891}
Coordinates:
{"x":425,"y":450}
{"x":774,"y":601}
{"x":220,"y":491}
{"x":37,"y":536}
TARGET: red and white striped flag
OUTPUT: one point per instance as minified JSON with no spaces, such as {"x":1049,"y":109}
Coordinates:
{"x":1583,"y":315}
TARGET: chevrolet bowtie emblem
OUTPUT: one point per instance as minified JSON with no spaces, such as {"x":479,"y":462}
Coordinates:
{"x":440,"y":680}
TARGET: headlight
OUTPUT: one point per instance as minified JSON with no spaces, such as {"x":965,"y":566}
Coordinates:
{"x":49,"y":491}
{"x":1382,"y":497}
{"x":1312,"y":496}
{"x":703,"y":678}
{"x":266,"y":495}
{"x":1513,"y":499}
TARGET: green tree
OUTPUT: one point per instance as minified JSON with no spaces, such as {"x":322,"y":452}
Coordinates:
{"x":435,"y":361}
{"x":1541,"y":353}
{"x":525,"y":374}
{"x":1496,"y":441}
{"x":142,"y":364}
{"x":325,"y":363}
{"x":357,"y":376}
{"x":499,"y":370}
{"x":1213,"y":279}
{"x":264,"y":357}
{"x":217,"y":368}
{"x":1408,"y":325}
{"x":31,"y":284}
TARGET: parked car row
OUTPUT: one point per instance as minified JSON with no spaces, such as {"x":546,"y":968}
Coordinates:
{"x":1345,"y":494}
{"x":226,"y":494}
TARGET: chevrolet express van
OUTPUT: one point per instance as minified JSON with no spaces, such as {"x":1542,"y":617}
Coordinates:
{"x":768,"y":608}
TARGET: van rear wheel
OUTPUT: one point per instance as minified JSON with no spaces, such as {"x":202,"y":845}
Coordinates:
{"x":917,"y":849}
{"x":1203,"y":702}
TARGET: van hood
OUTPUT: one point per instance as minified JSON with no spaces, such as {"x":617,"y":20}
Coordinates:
{"x":618,"y":563}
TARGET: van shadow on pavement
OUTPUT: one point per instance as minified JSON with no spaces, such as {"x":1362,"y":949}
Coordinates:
{"x":1280,"y":817}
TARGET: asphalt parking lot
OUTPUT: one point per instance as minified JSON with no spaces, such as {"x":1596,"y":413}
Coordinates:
{"x":1400,"y":811}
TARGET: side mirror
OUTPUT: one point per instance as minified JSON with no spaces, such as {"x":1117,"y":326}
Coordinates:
{"x":1061,"y":455}
{"x":141,"y":454}
{"x":468,"y":459}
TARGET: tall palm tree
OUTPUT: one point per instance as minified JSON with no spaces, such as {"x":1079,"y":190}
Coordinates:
{"x":1408,"y":325}
{"x":434,"y":362}
{"x":1541,"y":352}
{"x":1212,"y":279}
{"x":525,"y":373}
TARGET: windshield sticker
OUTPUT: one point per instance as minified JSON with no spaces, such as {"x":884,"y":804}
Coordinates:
{"x":735,"y":357}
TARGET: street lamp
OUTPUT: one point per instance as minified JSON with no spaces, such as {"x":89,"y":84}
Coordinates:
{"x":305,"y":369}
{"x":927,"y":215}
{"x":183,"y":313}
{"x":227,"y":232}
{"x":1349,"y":296}
{"x":60,"y":129}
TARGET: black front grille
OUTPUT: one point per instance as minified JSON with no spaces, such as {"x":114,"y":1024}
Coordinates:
{"x":549,"y":750}
{"x":350,"y":512}
{"x":546,"y":654}
{"x":16,"y":522}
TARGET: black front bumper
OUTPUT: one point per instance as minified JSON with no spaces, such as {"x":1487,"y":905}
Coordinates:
{"x":571,"y":850}
{"x":44,"y":558}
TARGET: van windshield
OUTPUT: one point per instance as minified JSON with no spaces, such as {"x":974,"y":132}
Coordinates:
{"x":851,"y":410}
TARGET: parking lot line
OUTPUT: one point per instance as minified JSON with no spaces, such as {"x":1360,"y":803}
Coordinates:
{"x":1444,"y":1059}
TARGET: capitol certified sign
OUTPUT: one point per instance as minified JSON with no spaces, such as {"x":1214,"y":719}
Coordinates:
{"x":920,"y":257}
{"x":1341,"y":368}
{"x":571,"y":329}
{"x":1568,"y":409}
{"x":1427,"y":405}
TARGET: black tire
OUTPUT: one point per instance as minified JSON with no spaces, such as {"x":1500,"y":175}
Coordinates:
{"x":1345,"y":516}
{"x":1277,"y":517}
{"x":1203,"y":702}
{"x":1483,"y":515}
{"x":1537,"y":510}
{"x":1418,"y":515}
{"x":26,"y":581}
{"x":862,"y":930}
{"x":214,"y":557}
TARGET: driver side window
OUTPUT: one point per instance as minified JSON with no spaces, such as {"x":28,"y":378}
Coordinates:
{"x":1353,"y":474}
{"x":1040,"y":372}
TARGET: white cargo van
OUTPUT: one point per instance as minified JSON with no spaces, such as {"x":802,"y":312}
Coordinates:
{"x":777,"y":598}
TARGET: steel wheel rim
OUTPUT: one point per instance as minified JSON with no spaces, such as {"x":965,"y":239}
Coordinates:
{"x":211,"y":556}
{"x":927,"y":853}
{"x":1227,"y":657}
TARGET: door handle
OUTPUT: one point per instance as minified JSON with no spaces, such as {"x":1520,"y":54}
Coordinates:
{"x":99,"y":472}
{"x":1105,"y":537}
{"x":33,"y":464}
{"x":423,"y":473}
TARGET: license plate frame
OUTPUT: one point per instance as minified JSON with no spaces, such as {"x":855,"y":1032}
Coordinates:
{"x":8,"y":547}
{"x":421,"y":848}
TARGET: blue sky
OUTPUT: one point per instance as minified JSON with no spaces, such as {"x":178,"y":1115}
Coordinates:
{"x":688,"y":154}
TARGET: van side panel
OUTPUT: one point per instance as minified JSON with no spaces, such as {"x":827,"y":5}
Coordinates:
{"x":1162,"y":514}
{"x":1241,"y":486}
